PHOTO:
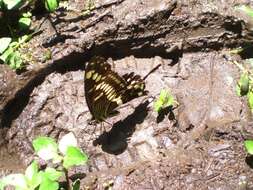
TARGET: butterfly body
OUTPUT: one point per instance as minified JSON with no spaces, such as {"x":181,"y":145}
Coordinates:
{"x":105,"y":90}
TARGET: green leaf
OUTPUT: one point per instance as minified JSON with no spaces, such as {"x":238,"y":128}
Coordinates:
{"x":12,"y":4}
{"x":27,"y":14}
{"x":51,"y":5}
{"x":31,"y":170}
{"x":238,"y":90}
{"x":245,"y":9}
{"x":2,"y":184}
{"x":250,"y":61}
{"x":5,"y":57}
{"x":76,"y":185}
{"x":45,"y":147}
{"x":32,"y":175}
{"x":14,"y":44}
{"x":250,"y":99}
{"x":53,"y":174}
{"x":24,"y":23}
{"x":1,"y":4}
{"x":15,"y":60}
{"x":158,"y":105}
{"x":74,"y":157}
{"x":66,"y":141}
{"x":243,"y":84}
{"x":249,"y":146}
{"x":16,"y":180}
{"x":23,"y":39}
{"x":165,"y":100}
{"x":48,"y":184}
{"x":4,"y":44}
{"x":36,"y":181}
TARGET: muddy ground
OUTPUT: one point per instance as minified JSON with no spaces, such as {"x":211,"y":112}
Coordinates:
{"x":198,"y":145}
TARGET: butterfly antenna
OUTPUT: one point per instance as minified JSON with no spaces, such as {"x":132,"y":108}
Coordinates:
{"x":153,"y":70}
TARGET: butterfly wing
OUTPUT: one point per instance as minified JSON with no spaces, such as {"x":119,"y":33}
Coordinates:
{"x":105,"y":90}
{"x":95,"y":70}
{"x":102,"y":87}
{"x":135,"y":87}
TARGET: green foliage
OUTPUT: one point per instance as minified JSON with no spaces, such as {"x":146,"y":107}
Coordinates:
{"x":4,"y":44}
{"x":249,"y":146}
{"x":16,"y":19}
{"x":74,"y":157}
{"x":250,"y":99}
{"x":245,"y":9}
{"x":76,"y":185}
{"x":165,"y":100}
{"x":30,"y":180}
{"x":66,"y":154}
{"x":51,"y":5}
{"x":45,"y":148}
{"x":11,"y":54}
{"x":25,"y":21}
{"x":242,"y":87}
{"x":12,"y":4}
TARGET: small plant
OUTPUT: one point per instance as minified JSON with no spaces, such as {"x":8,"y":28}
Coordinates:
{"x":245,"y":9}
{"x":244,"y":85}
{"x":165,"y":100}
{"x":65,"y":154}
{"x":9,"y":51}
{"x":51,"y":5}
{"x":16,"y":19}
{"x":249,"y":146}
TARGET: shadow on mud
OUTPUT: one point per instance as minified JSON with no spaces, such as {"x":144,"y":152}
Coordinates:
{"x":249,"y":161}
{"x":115,"y":141}
{"x":168,"y":111}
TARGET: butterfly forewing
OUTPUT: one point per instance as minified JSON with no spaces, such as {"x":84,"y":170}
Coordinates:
{"x":105,"y":90}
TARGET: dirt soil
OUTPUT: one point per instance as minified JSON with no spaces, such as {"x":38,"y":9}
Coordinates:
{"x":198,"y":145}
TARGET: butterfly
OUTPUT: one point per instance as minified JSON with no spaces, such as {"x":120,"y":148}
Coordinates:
{"x":105,"y":89}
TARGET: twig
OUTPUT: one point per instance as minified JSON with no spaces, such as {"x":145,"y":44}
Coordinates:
{"x":109,"y":4}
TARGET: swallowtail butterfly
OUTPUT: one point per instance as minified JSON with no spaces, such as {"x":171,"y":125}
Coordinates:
{"x":105,"y":90}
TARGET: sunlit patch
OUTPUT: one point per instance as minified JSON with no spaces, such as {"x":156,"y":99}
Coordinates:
{"x":140,"y":93}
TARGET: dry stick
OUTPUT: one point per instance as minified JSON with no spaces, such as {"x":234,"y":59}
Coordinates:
{"x":144,"y":78}
{"x":67,"y":179}
{"x":94,"y":22}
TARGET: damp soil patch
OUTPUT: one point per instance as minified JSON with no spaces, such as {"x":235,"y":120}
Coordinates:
{"x":202,"y":141}
{"x":200,"y":147}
